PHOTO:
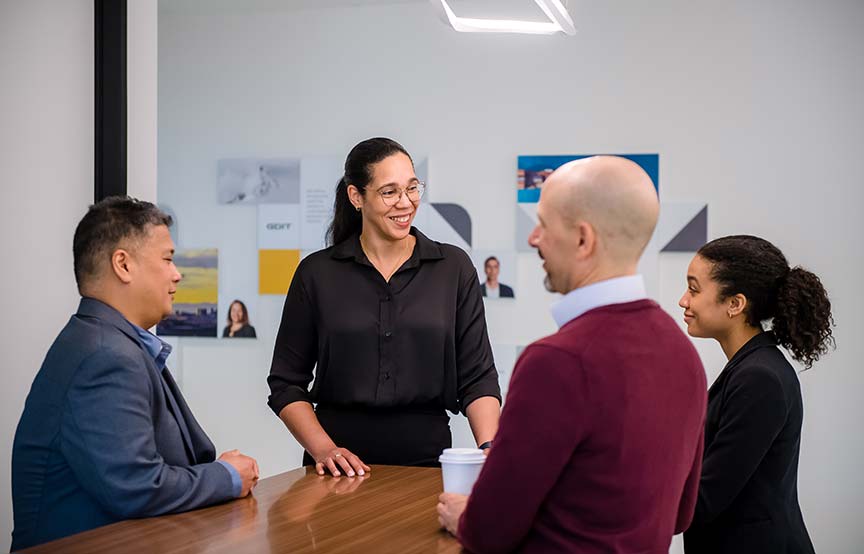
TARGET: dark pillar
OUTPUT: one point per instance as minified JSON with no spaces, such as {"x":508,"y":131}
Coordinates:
{"x":110,"y":26}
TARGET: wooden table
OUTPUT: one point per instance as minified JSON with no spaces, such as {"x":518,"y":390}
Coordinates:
{"x":391,"y":509}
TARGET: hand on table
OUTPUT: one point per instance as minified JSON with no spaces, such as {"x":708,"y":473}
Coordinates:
{"x":450,"y":508}
{"x":339,"y":460}
{"x":247,"y":468}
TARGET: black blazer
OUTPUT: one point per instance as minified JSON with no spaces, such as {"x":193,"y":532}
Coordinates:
{"x":504,"y":291}
{"x":748,"y":493}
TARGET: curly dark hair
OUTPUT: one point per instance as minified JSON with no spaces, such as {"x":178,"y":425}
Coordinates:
{"x":793,"y":298}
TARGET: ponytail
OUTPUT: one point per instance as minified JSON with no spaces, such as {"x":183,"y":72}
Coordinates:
{"x":794,"y":299}
{"x":803,"y":321}
{"x":346,"y":218}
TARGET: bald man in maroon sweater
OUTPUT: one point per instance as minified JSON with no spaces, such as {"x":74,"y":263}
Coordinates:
{"x":599,"y":447}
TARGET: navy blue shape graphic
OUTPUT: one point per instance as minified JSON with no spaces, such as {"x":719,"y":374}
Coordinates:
{"x":692,"y":236}
{"x":457,"y":217}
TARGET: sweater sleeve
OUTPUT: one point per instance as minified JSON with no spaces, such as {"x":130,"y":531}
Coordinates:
{"x":687,"y":505}
{"x":107,"y":437}
{"x":527,"y":459}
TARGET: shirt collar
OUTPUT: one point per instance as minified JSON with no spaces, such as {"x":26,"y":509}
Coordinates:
{"x":425,"y":249}
{"x":155,"y":346}
{"x":617,"y":290}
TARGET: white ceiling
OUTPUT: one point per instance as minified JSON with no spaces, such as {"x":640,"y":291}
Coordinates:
{"x":512,"y":9}
{"x":223,"y":6}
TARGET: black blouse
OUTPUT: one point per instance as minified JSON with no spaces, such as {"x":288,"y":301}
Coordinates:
{"x":245,"y":332}
{"x":419,"y":341}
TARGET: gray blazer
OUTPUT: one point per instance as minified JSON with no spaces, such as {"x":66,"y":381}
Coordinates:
{"x":106,"y":436}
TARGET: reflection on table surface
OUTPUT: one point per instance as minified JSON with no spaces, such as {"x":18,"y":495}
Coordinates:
{"x":391,"y":509}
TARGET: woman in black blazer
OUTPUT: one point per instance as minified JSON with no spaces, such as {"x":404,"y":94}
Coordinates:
{"x":748,"y":493}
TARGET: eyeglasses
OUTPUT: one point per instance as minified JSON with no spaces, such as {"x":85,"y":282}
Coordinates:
{"x":391,"y":195}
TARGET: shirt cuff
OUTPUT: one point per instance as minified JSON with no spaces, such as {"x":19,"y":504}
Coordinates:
{"x":480,"y":393}
{"x":278,"y":400}
{"x":236,"y":481}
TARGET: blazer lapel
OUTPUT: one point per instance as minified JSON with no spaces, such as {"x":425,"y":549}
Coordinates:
{"x":90,"y":307}
{"x":169,"y":386}
{"x":761,"y":340}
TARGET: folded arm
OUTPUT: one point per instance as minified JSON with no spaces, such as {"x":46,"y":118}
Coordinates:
{"x":107,"y":436}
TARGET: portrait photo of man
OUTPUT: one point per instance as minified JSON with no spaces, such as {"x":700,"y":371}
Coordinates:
{"x":492,"y":287}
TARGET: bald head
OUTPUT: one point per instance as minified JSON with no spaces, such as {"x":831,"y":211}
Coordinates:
{"x":612,"y":194}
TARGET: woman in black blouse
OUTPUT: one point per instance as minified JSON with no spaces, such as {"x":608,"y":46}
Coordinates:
{"x":392,"y":324}
{"x":238,"y":322}
{"x":748,"y":493}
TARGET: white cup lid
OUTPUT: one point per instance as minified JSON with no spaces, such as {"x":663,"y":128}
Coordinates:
{"x":462,"y":456}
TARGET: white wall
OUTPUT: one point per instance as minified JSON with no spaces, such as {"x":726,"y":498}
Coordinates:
{"x":754,"y":108}
{"x":46,"y":182}
{"x":142,"y":23}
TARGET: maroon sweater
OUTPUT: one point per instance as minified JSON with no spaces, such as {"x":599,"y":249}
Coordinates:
{"x":600,"y":443}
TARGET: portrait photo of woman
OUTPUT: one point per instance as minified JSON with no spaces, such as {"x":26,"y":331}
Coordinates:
{"x":238,"y":322}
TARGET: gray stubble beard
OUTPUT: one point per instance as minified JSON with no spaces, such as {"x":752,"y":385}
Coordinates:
{"x":547,"y":282}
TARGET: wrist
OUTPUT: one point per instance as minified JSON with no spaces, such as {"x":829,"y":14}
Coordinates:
{"x":322,"y":450}
{"x":236,"y":479}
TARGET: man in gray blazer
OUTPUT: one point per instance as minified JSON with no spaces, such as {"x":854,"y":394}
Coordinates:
{"x":106,"y":434}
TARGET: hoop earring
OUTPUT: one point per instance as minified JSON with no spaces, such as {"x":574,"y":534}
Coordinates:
{"x":357,"y":208}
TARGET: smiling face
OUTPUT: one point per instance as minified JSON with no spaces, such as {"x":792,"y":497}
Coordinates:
{"x":236,"y":312}
{"x":392,"y":175}
{"x":154,"y":277}
{"x":706,"y":315}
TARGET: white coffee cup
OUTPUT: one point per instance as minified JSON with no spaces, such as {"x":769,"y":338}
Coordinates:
{"x":460,"y":468}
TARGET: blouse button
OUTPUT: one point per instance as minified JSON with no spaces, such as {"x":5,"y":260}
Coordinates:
{"x":388,"y":334}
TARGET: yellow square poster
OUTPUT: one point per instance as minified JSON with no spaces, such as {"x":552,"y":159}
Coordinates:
{"x":276,"y":269}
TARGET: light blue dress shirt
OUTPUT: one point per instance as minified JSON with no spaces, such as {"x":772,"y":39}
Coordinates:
{"x":160,"y":350}
{"x":617,"y":290}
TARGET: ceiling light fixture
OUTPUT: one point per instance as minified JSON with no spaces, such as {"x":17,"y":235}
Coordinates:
{"x":559,"y":21}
